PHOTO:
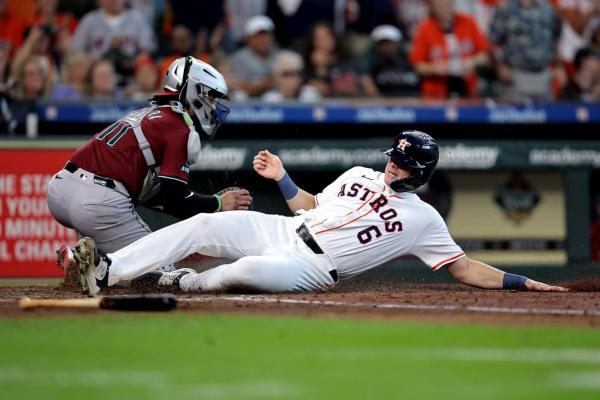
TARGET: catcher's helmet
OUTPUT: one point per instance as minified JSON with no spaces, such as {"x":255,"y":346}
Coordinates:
{"x":173,"y":79}
{"x":201,"y":87}
{"x":416,"y":151}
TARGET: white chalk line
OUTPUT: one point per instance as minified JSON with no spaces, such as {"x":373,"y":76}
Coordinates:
{"x":155,"y":383}
{"x":398,"y":306}
{"x":577,"y":380}
{"x":485,"y":354}
{"x":260,"y":299}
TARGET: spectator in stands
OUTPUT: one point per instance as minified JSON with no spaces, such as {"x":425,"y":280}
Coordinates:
{"x":481,"y":10}
{"x":37,"y":43}
{"x":252,"y":65}
{"x":145,"y":80}
{"x":60,"y":26}
{"x":446,"y":50}
{"x":585,"y":84}
{"x":389,"y":68}
{"x":29,"y":85}
{"x":206,"y":21}
{"x":330,"y":69}
{"x":361,"y":17}
{"x":74,"y":71}
{"x":30,"y":79}
{"x":592,"y":35}
{"x":238,"y":13}
{"x":115,"y":33}
{"x":410,"y":14}
{"x":150,"y":9}
{"x":294,"y":19}
{"x":575,"y":16}
{"x":11,"y":31}
{"x":288,"y":72}
{"x":101,"y":81}
{"x":526,"y":32}
{"x":181,"y":45}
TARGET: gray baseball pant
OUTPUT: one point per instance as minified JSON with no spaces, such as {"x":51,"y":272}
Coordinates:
{"x":104,"y":214}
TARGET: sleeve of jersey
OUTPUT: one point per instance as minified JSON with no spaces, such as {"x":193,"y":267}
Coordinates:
{"x":177,"y":200}
{"x":435,"y":247}
{"x":174,"y":163}
{"x":332,"y":190}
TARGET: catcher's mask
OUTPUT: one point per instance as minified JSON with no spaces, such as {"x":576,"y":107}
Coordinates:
{"x":417,"y":152}
{"x":202,"y":88}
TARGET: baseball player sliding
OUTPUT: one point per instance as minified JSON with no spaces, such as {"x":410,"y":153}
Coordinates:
{"x":144,"y":158}
{"x":363,"y":219}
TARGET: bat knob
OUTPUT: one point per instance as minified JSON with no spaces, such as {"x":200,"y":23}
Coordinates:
{"x":25,"y":303}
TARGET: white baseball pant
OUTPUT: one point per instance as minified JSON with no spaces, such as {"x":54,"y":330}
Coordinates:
{"x":270,"y":256}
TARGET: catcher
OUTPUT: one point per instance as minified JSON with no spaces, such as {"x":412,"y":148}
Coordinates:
{"x":144,"y":159}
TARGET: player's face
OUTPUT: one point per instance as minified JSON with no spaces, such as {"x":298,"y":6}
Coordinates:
{"x":393,"y":171}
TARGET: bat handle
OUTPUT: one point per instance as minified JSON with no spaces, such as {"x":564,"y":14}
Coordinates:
{"x":27,"y":303}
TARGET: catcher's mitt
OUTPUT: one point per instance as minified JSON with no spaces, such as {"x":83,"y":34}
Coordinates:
{"x":230,"y":189}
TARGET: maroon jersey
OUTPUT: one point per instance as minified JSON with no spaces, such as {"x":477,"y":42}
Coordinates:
{"x":115,"y":153}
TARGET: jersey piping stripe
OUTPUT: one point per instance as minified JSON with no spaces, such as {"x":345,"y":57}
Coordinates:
{"x":170,"y":177}
{"x":366,"y":201}
{"x":446,"y":261}
{"x":350,"y":212}
{"x":318,"y":223}
{"x":347,"y":223}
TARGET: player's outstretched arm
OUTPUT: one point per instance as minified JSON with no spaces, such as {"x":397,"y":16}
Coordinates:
{"x":269,"y":166}
{"x":478,"y":274}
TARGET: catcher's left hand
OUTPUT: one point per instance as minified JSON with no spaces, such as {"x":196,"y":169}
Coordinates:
{"x":235,"y":198}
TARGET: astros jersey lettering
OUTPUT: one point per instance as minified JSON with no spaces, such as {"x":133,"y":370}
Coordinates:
{"x":361,"y":223}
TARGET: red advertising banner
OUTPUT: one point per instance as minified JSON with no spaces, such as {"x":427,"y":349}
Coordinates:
{"x":29,"y":236}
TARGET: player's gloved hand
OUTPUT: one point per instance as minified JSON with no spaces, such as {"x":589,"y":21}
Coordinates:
{"x":536,"y":286}
{"x":268,"y":165}
{"x":235,"y":198}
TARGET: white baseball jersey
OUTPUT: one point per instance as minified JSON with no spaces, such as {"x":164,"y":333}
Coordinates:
{"x":361,"y":223}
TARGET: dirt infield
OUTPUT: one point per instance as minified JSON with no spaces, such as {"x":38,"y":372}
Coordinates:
{"x":446,"y":303}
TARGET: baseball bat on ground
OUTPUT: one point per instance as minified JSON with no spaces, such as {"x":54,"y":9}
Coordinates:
{"x":153,"y":302}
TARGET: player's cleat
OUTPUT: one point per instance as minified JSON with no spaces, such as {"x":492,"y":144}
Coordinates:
{"x":66,"y":262}
{"x":167,"y":268}
{"x":62,"y":257}
{"x":93,"y":266}
{"x":157,"y":280}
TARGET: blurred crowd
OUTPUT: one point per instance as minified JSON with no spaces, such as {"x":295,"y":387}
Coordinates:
{"x":304,"y":50}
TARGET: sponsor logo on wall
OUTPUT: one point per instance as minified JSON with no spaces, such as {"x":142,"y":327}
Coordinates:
{"x":518,"y":198}
{"x":564,"y":156}
{"x":461,"y":156}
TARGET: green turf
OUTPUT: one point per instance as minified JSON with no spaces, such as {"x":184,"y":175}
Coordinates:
{"x":192,"y":356}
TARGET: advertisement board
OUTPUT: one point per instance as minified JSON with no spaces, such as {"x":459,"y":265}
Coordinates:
{"x":509,"y":218}
{"x":29,"y":236}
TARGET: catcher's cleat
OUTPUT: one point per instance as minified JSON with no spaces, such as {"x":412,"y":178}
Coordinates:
{"x":93,"y":265}
{"x":160,"y":281}
{"x":66,"y":262}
